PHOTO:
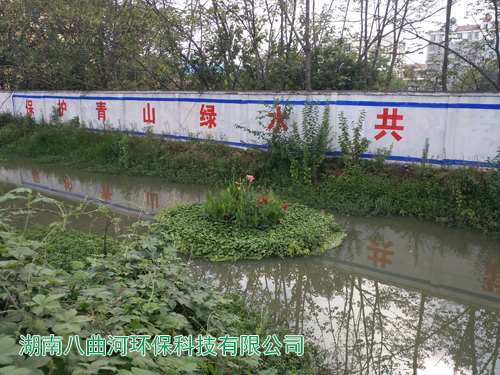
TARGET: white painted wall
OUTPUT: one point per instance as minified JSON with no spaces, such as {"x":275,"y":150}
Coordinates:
{"x":460,"y":127}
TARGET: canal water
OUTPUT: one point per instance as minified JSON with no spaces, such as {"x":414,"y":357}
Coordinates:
{"x":398,"y":296}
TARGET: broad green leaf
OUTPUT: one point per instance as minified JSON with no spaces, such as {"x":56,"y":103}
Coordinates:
{"x":8,"y":197}
{"x":44,"y":200}
{"x":20,"y":190}
{"x":45,"y":303}
{"x":8,"y":263}
{"x":70,"y":321}
{"x":31,"y":362}
{"x":11,"y":370}
{"x":8,"y":349}
{"x":9,"y":324}
{"x":270,"y":371}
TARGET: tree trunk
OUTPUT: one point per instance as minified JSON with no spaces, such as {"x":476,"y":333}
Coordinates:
{"x":307,"y":50}
{"x":419,"y":333}
{"x":446,"y":43}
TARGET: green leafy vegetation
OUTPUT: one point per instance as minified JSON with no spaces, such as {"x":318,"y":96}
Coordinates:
{"x":307,"y":148}
{"x":303,"y":152}
{"x":116,"y":152}
{"x":141,"y":289}
{"x":352,"y":147}
{"x":493,"y":180}
{"x":302,"y":231}
{"x":109,"y":45}
{"x":69,"y":244}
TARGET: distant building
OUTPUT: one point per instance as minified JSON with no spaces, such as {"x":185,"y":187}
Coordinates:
{"x":467,"y":40}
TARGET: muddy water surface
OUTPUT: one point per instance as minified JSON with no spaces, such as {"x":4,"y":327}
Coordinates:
{"x":397,"y":296}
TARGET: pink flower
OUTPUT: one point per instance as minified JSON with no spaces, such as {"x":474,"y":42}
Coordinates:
{"x":250,"y":177}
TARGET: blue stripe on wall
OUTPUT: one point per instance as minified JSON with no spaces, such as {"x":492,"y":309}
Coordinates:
{"x":292,"y":102}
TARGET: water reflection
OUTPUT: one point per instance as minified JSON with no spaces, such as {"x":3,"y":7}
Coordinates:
{"x":398,"y":296}
{"x":132,"y":197}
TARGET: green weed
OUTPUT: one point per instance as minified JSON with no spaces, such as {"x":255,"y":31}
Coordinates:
{"x":352,"y":146}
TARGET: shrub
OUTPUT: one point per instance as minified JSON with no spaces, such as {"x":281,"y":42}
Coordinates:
{"x":493,"y":180}
{"x":301,"y":152}
{"x":381,"y":156}
{"x":352,"y":147}
{"x":308,"y":148}
{"x":241,"y":206}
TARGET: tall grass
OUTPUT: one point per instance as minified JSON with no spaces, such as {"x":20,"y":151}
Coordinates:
{"x":120,"y":152}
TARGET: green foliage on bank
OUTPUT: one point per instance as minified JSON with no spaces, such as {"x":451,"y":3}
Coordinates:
{"x":117,"y":152}
{"x":302,"y":231}
{"x":142,"y":289}
{"x":459,"y":196}
{"x":66,"y":245}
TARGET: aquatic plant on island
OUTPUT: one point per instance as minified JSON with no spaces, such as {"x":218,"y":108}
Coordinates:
{"x":241,"y":223}
{"x":240,"y":205}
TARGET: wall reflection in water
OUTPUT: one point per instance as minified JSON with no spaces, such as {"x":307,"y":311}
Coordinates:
{"x":398,"y":296}
{"x":131,"y":197}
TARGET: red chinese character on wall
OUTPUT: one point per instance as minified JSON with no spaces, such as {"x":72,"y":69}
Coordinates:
{"x":208,"y":116}
{"x":376,"y":252}
{"x":29,"y":107}
{"x":278,"y":120}
{"x":68,"y":185}
{"x":101,"y":111}
{"x":106,"y":192}
{"x":151,"y":115}
{"x":36,"y":177}
{"x":150,"y":197}
{"x":394,"y":117}
{"x":62,"y":107}
{"x":492,"y":278}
